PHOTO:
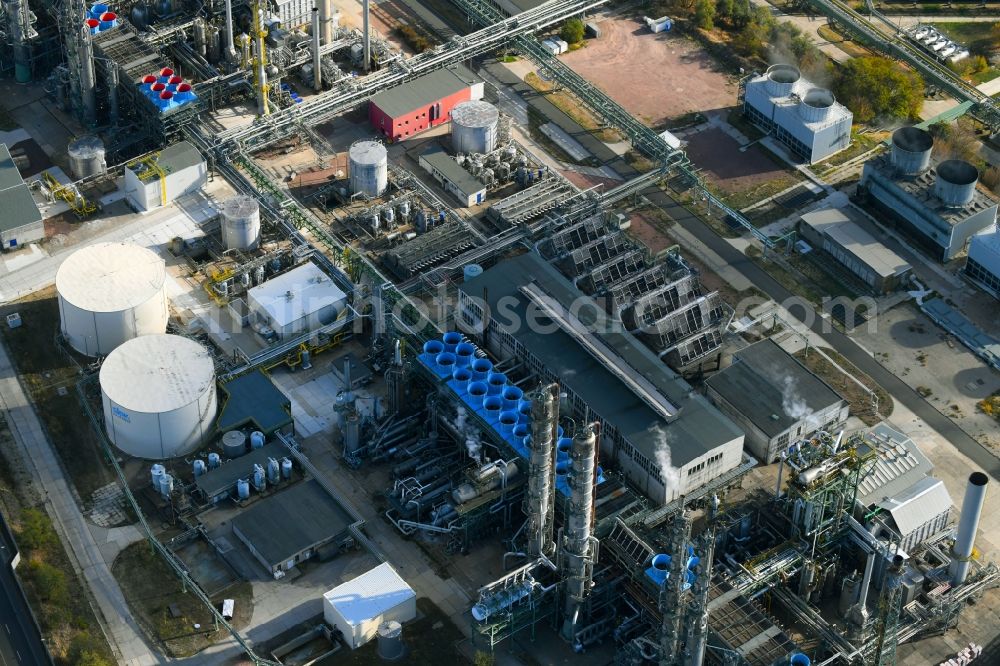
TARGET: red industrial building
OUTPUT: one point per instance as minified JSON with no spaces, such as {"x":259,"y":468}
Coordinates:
{"x":425,"y":102}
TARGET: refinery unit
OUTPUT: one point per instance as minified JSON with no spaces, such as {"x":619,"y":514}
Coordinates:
{"x":342,"y":326}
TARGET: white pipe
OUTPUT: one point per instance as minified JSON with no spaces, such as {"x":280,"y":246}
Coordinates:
{"x":88,"y":81}
{"x":968,"y":525}
{"x":367,"y":36}
{"x":230,"y":47}
{"x":326,"y":21}
{"x":866,"y":581}
{"x":317,"y":62}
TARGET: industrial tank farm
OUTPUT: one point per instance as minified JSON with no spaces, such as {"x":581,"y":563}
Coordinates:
{"x":110,"y":293}
{"x":474,"y":127}
{"x":159,"y":396}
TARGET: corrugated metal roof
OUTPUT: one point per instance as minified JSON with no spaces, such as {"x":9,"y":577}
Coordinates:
{"x":899,"y":465}
{"x":841,"y":229}
{"x":16,"y":203}
{"x":370,"y":594}
{"x":919,"y":503}
{"x":179,"y":156}
{"x":771,"y":388}
{"x":424,"y":90}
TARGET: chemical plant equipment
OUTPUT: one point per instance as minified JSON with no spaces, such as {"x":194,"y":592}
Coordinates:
{"x":159,"y":396}
{"x":87,"y":157}
{"x":474,"y":127}
{"x":110,"y":293}
{"x":369,"y":168}
{"x":241,"y":223}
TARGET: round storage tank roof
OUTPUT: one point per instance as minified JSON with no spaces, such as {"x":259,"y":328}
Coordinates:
{"x":475,"y":114}
{"x":154,"y":374}
{"x":368,"y":152}
{"x":110,"y":277}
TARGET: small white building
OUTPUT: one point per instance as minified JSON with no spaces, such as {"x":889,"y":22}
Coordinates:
{"x":177,"y":170}
{"x":804,"y":117}
{"x":455,"y":180}
{"x":360,"y":605}
{"x":915,"y":514}
{"x":302,"y":299}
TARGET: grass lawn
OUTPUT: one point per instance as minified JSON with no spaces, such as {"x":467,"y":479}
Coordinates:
{"x":978,"y":37}
{"x":50,"y":375}
{"x":573,"y":108}
{"x":839,"y":40}
{"x":859,"y":398}
{"x":151,"y":588}
{"x":860,"y":144}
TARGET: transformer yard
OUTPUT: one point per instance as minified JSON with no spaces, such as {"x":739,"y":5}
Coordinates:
{"x":344,"y":332}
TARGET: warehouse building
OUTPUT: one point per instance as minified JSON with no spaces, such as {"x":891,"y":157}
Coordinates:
{"x":807,"y":119}
{"x":837,"y":235}
{"x":290,"y":527}
{"x":666,"y":439}
{"x":168,"y":175}
{"x":915,"y":514}
{"x":425,"y":102}
{"x":983,"y":264}
{"x":358,"y":606}
{"x":20,"y":222}
{"x":774,"y":399}
{"x":300,"y":300}
{"x":935,"y":203}
{"x":455,"y":180}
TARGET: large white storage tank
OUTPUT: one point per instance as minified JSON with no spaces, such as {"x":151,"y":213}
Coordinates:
{"x":159,"y":396}
{"x":87,"y":157}
{"x":474,"y":127}
{"x":369,"y":168}
{"x":241,"y":223}
{"x":109,"y":293}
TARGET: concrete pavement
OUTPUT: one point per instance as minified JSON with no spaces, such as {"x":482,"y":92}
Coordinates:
{"x":39,"y":459}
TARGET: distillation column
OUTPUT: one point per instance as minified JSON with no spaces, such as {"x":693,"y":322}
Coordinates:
{"x":317,"y":60}
{"x":19,"y":28}
{"x":672,"y":592}
{"x":260,"y":61}
{"x":579,"y":547}
{"x":326,"y":21}
{"x":367,"y":36}
{"x":858,"y":614}
{"x":88,"y":80}
{"x":696,"y":642}
{"x":968,"y":525}
{"x":539,"y":504}
{"x":230,"y":45}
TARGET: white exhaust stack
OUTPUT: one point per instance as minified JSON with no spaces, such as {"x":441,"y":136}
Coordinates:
{"x":317,"y":61}
{"x":230,"y":45}
{"x":968,"y":525}
{"x":326,"y":21}
{"x":367,"y":36}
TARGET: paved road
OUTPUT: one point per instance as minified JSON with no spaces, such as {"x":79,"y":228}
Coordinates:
{"x":835,"y":338}
{"x":20,"y":642}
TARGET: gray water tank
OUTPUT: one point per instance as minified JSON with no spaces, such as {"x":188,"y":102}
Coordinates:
{"x":368,"y":163}
{"x":474,"y":127}
{"x":390,"y":640}
{"x":956,"y":182}
{"x":911,"y":150}
{"x":234,"y":443}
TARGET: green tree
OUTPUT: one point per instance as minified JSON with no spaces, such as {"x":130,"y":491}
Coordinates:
{"x":750,"y":41}
{"x":877,"y":87}
{"x":36,"y":531}
{"x":704,"y":14}
{"x":740,"y":13}
{"x":724,"y":9}
{"x":572,"y":31}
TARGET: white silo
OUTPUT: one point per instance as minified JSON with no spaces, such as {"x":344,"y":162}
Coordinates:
{"x":474,"y":127}
{"x":369,"y":168}
{"x":87,"y":157}
{"x":159,"y":396}
{"x":241,"y":223}
{"x":110,"y":293}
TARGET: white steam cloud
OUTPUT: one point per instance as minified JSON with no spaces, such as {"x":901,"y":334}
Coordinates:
{"x":472,"y":445}
{"x":670,"y":475}
{"x":794,"y":405}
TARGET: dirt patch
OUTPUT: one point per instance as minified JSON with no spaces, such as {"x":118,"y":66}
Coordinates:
{"x":723,"y":165}
{"x":859,"y":399}
{"x":648,"y":229}
{"x":656,"y":77}
{"x":584,"y":182}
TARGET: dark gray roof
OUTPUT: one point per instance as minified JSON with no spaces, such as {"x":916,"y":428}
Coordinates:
{"x":253,"y":398}
{"x":224,"y":477}
{"x":765,"y":383}
{"x":179,"y":156}
{"x":452,"y":171}
{"x":17,"y":206}
{"x":285,"y":524}
{"x":696,"y":426}
{"x":423,"y":90}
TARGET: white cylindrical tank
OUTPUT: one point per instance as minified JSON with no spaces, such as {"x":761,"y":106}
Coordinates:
{"x":257,"y":439}
{"x":159,"y":396}
{"x":369,"y":168}
{"x":816,"y":104}
{"x":956,"y":182}
{"x":474,"y":127}
{"x":286,"y":468}
{"x":156,"y":472}
{"x":781,"y":80}
{"x":968,"y":526}
{"x":241,"y":223}
{"x":86,"y":157}
{"x":911,"y":150}
{"x":390,"y":640}
{"x":110,"y":293}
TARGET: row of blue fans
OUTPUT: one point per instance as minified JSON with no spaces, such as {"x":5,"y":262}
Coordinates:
{"x":167,"y":90}
{"x":488,"y":393}
{"x":100,"y":18}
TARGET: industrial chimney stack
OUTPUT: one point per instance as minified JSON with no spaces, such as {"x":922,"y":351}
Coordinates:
{"x":968,"y":525}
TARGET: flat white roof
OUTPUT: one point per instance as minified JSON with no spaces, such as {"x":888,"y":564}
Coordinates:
{"x":835,"y":224}
{"x":370,"y":594}
{"x":298,"y":293}
{"x":110,"y":277}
